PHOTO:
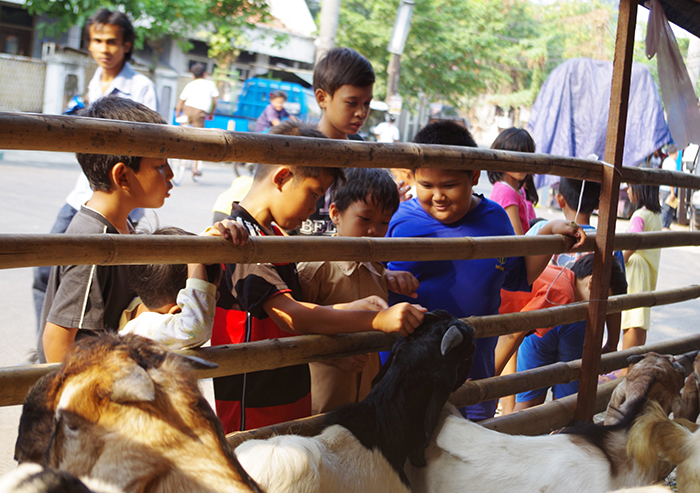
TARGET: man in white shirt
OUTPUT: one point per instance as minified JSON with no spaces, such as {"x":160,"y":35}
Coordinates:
{"x":387,"y":131}
{"x":198,"y":102}
{"x":111,"y":44}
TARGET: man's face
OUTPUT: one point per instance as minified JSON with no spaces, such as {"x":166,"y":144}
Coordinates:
{"x":445,"y":194}
{"x":107,"y":46}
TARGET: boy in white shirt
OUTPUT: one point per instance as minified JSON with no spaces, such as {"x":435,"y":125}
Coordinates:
{"x":175,"y":303}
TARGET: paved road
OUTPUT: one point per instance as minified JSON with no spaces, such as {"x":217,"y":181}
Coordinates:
{"x":34,"y":186}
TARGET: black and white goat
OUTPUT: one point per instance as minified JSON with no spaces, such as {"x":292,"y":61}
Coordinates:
{"x":365,"y":445}
{"x":464,"y":456}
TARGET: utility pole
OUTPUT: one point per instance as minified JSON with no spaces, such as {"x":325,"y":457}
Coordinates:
{"x":402,"y":25}
{"x":330,"y":12}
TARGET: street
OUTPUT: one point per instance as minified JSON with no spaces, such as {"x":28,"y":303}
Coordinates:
{"x":34,"y":186}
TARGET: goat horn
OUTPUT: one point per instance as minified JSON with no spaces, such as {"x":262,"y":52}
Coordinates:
{"x":199,"y":363}
{"x":136,"y":386}
{"x":452,"y":338}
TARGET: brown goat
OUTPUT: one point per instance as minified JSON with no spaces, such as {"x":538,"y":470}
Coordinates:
{"x":691,"y":393}
{"x":127,"y":411}
{"x":652,"y":376}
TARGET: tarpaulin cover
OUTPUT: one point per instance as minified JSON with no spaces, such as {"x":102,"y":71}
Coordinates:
{"x":570,"y":115}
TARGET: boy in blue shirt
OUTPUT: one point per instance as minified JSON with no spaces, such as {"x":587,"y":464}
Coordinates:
{"x":445,"y":207}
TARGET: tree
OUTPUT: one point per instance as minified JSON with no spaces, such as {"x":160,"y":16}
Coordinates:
{"x":225,"y":20}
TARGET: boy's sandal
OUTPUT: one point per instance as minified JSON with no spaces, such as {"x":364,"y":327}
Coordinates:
{"x":609,"y":377}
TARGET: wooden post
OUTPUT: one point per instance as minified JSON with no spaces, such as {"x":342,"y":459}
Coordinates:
{"x":610,"y":189}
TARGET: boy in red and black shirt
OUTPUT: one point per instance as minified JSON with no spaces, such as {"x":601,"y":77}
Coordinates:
{"x":263,"y":301}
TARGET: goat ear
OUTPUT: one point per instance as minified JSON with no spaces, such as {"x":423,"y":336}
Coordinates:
{"x":635,"y":358}
{"x":432,"y":415}
{"x":136,"y":386}
{"x":452,"y":338}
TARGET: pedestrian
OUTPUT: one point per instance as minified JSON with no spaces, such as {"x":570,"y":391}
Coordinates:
{"x":667,"y":194}
{"x":387,"y":130}
{"x":198,"y":102}
{"x":111,"y":42}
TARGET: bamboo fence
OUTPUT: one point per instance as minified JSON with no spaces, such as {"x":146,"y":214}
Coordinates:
{"x":75,"y":134}
{"x":86,"y":135}
{"x":276,"y":353}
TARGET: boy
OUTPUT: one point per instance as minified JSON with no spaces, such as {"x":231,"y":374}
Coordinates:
{"x":88,"y":298}
{"x":176,"y":303}
{"x":560,"y":286}
{"x":446,"y":207}
{"x":362,"y":208}
{"x":261,"y":301}
{"x":274,"y":113}
{"x":343,"y":85}
{"x":111,"y":41}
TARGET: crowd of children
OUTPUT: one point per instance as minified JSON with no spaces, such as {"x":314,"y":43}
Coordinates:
{"x":187,"y":305}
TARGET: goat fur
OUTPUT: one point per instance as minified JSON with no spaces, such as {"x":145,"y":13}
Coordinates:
{"x":33,"y":478}
{"x":691,"y":394}
{"x":127,"y":411}
{"x":464,"y":456}
{"x":365,"y":445}
{"x":652,"y":376}
{"x":678,"y":441}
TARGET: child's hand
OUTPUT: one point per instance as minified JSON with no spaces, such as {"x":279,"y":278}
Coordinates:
{"x":403,"y":191}
{"x":371,"y":303}
{"x":351,"y":363}
{"x":403,"y":318}
{"x":230,"y":230}
{"x":402,"y":282}
{"x":568,"y":228}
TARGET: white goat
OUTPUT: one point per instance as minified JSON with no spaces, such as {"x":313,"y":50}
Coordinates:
{"x":678,"y":441}
{"x":128,"y":412}
{"x":465,"y":456}
{"x":365,"y":445}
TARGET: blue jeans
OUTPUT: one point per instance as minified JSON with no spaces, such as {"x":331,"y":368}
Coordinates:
{"x":667,"y":212}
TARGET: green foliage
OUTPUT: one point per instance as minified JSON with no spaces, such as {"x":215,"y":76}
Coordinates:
{"x":225,"y":20}
{"x":457,"y":49}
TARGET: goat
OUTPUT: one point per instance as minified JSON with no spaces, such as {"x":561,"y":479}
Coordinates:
{"x":691,"y":393}
{"x":677,"y":440}
{"x":364,"y":446}
{"x":587,"y":458}
{"x":127,"y":411}
{"x":653,"y":376}
{"x":33,"y":478}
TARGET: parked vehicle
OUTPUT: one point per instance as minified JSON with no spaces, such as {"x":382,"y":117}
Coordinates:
{"x":255,"y":96}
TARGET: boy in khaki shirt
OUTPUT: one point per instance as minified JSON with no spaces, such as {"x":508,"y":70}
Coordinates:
{"x":363,"y":208}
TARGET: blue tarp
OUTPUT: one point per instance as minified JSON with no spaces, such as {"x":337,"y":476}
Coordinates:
{"x":570,"y":115}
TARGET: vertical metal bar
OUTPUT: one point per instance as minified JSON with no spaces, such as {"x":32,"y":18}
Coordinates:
{"x":602,"y":265}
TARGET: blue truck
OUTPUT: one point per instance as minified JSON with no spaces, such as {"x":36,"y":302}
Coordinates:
{"x":255,"y":96}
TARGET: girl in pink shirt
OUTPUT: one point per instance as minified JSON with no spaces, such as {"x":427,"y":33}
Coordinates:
{"x":508,"y":189}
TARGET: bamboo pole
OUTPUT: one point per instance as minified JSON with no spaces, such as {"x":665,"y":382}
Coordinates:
{"x":78,"y":134}
{"x":37,"y":250}
{"x":535,"y":421}
{"x":609,"y":192}
{"x":276,"y":353}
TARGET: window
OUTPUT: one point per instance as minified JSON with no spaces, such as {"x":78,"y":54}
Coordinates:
{"x":16,"y":30}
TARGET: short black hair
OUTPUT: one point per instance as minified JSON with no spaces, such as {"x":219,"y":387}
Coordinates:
{"x":159,"y":284}
{"x":97,"y":167}
{"x":445,"y":132}
{"x":618,"y":281}
{"x":198,"y":70}
{"x":113,"y":18}
{"x":278,"y":94}
{"x":300,"y":129}
{"x":647,"y":196}
{"x":342,"y":66}
{"x":377,"y":183}
{"x":570,"y":189}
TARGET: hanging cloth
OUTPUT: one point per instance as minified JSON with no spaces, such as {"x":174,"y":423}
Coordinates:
{"x":677,"y":92}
